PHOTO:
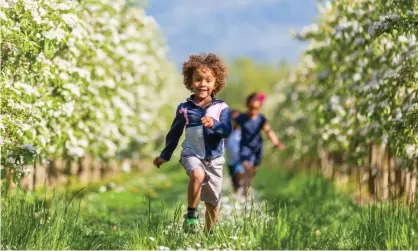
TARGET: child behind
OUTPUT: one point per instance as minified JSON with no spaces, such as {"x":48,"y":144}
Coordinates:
{"x":207,"y":121}
{"x":251,"y":147}
{"x":232,"y":150}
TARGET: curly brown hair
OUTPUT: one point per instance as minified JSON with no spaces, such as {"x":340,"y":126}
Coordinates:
{"x":210,"y":60}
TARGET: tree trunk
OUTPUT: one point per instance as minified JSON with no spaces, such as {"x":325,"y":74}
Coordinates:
{"x":408,"y":186}
{"x":10,"y":183}
{"x":112,"y":169}
{"x":326,"y":167}
{"x":412,"y":184}
{"x":62,"y":172}
{"x":26,"y":181}
{"x":84,"y":169}
{"x":384,"y":184}
{"x":372,"y":167}
{"x":393,"y":193}
{"x":35,"y":173}
{"x":96,"y":170}
{"x":52,"y":173}
{"x":413,"y":193}
{"x":400,"y":181}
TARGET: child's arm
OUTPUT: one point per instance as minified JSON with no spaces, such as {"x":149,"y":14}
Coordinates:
{"x":272,"y":136}
{"x":223,"y":127}
{"x":172,"y":139}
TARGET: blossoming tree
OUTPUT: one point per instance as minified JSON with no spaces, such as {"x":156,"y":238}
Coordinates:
{"x":80,"y":77}
{"x":354,"y":95}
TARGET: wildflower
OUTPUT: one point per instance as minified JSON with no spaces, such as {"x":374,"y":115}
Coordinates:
{"x":103,"y":189}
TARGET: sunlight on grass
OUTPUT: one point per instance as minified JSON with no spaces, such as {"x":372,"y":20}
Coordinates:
{"x":290,"y":211}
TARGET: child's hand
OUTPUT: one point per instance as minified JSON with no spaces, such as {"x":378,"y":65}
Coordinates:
{"x":280,"y":146}
{"x":207,"y":122}
{"x":158,"y":162}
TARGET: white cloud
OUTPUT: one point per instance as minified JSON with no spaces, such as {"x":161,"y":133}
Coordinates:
{"x":233,"y":27}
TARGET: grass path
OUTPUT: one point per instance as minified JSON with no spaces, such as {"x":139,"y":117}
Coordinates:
{"x":291,"y":211}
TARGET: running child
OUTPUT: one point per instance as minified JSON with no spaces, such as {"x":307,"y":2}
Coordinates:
{"x":207,"y":122}
{"x":232,"y":153}
{"x":251,"y":146}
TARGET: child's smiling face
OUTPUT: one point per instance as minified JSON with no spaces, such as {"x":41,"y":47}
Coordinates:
{"x":203,"y":82}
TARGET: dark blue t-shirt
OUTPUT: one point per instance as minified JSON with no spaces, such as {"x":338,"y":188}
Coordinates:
{"x":250,"y":130}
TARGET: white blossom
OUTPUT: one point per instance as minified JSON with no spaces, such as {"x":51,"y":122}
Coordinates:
{"x":3,"y":16}
{"x":411,"y":151}
{"x":70,"y":19}
{"x":11,"y":160}
{"x":76,"y":151}
{"x":29,"y":147}
{"x":57,"y":33}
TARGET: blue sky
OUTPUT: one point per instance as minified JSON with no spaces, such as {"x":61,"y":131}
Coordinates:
{"x":259,"y":29}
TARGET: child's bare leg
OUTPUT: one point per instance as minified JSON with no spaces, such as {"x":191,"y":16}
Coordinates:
{"x":235,"y":182}
{"x":211,"y":216}
{"x":254,"y":171}
{"x":248,"y":174}
{"x":197,"y":175}
{"x":238,"y":181}
{"x":240,"y":177}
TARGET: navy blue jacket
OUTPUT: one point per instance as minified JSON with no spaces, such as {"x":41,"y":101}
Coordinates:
{"x":200,"y":141}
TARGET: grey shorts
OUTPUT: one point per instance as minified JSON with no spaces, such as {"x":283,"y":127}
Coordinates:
{"x":212,"y":185}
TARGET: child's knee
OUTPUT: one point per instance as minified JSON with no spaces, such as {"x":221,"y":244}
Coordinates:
{"x":248,"y":169}
{"x":211,"y":207}
{"x":247,"y":165}
{"x":197,"y":174}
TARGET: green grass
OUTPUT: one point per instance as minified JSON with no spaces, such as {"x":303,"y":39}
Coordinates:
{"x":30,"y":223}
{"x":322,"y":218}
{"x":296,"y":211}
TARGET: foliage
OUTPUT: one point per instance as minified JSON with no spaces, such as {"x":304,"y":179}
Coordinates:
{"x":356,"y":83}
{"x":81,"y":77}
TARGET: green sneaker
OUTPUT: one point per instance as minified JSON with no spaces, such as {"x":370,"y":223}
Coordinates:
{"x":191,"y":222}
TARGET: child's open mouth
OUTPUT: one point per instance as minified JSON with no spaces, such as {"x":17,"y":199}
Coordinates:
{"x":202,"y":90}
